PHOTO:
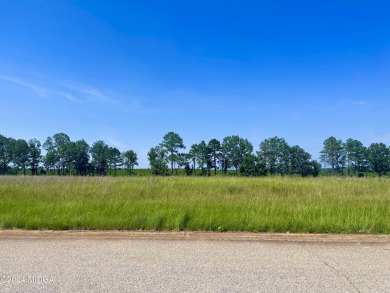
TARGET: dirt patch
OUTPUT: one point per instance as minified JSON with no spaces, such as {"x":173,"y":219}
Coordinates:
{"x":197,"y":236}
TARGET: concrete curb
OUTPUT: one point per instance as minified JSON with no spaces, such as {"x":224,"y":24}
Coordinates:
{"x":194,"y":236}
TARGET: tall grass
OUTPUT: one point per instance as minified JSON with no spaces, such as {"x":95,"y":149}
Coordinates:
{"x":272,"y":204}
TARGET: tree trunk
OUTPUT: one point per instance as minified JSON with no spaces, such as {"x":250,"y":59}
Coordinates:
{"x":193,"y":166}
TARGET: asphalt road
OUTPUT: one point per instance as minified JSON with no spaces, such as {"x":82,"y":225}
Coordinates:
{"x":46,"y":261}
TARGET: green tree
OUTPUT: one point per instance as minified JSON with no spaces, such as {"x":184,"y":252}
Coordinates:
{"x":158,"y":160}
{"x":315,"y":168}
{"x":182,"y":162}
{"x":99,"y":153}
{"x":64,"y":150}
{"x":81,"y":157}
{"x":379,"y":158}
{"x":333,"y":154}
{"x":21,"y":154}
{"x":58,"y":152}
{"x":130,"y":160}
{"x":6,"y":153}
{"x":51,"y":160}
{"x":356,"y":156}
{"x":300,"y":161}
{"x":202,"y":157}
{"x":234,"y":149}
{"x":114,"y":159}
{"x":69,"y":157}
{"x":224,"y":162}
{"x":252,"y":166}
{"x":214,"y":148}
{"x":192,"y":154}
{"x":275,"y":153}
{"x":172,"y":142}
{"x":34,"y":155}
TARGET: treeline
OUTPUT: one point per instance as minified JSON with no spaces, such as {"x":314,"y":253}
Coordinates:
{"x":233,"y":154}
{"x":352,"y":157}
{"x":274,"y":156}
{"x":63,"y":157}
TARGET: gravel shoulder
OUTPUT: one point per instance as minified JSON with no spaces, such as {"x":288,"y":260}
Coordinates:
{"x":196,"y":235}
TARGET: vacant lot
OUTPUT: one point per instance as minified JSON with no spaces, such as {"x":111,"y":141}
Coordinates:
{"x":315,"y":205}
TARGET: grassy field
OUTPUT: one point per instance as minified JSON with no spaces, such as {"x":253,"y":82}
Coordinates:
{"x":314,"y":205}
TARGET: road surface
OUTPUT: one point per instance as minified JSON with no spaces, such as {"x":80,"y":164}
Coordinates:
{"x":47,"y":261}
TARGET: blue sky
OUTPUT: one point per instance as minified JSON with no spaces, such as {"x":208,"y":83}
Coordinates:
{"x":128,"y":72}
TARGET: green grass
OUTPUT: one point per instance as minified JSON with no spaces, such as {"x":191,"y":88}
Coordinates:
{"x":272,"y":204}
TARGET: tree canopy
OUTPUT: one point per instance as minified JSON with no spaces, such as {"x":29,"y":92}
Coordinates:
{"x":333,"y":154}
{"x":172,"y":143}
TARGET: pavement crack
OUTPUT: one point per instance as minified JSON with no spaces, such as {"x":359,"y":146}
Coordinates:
{"x":51,"y":232}
{"x":335,"y":269}
{"x":342,"y":274}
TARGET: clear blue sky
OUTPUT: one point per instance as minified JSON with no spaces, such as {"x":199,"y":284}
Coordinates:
{"x":128,"y":72}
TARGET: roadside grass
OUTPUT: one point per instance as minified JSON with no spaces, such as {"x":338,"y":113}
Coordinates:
{"x":269,"y":204}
